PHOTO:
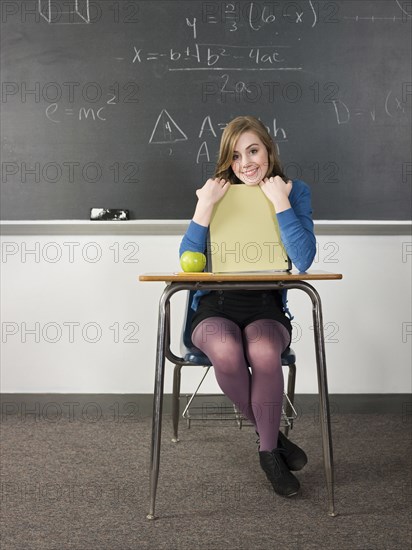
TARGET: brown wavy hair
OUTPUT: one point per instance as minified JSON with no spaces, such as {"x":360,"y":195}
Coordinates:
{"x":231,"y":134}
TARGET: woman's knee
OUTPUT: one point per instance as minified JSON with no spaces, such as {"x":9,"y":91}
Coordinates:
{"x":264,"y":356}
{"x":265,"y":362}
{"x":266,"y":332}
{"x":229,"y":366}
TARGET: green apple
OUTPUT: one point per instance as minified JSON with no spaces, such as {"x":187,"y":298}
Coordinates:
{"x":192,"y":261}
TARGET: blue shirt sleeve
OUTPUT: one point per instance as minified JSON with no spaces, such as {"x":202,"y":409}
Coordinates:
{"x":296,"y":227}
{"x":194,"y":239}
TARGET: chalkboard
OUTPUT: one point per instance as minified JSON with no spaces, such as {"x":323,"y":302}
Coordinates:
{"x":121,"y":104}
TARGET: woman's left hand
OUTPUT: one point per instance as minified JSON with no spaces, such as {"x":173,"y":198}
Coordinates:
{"x":277,"y":191}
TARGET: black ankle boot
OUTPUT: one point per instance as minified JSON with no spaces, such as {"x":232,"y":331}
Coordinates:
{"x":294,"y":456}
{"x":283,"y":482}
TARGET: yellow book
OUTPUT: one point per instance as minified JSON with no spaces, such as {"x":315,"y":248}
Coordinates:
{"x":244,"y":234}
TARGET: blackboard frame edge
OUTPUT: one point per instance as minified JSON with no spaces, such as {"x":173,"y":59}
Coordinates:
{"x":178,"y":227}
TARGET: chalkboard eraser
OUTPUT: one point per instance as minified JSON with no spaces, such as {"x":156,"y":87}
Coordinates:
{"x":108,"y":214}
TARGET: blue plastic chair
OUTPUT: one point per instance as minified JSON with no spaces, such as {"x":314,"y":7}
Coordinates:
{"x":192,"y":356}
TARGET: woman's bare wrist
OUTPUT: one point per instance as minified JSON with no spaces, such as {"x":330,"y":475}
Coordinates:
{"x":281,"y":203}
{"x":203,"y":213}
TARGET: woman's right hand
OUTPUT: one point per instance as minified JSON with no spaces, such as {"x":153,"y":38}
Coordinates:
{"x":212,"y":191}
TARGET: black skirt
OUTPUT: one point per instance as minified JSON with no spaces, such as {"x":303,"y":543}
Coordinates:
{"x":242,"y":307}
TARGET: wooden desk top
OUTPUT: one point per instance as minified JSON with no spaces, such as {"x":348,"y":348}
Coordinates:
{"x":239,"y":277}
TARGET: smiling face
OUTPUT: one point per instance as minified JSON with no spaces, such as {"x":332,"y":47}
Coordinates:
{"x":250,"y":159}
{"x":247,"y":153}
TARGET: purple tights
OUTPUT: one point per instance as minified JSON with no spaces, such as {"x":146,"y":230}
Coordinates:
{"x":257,"y":394}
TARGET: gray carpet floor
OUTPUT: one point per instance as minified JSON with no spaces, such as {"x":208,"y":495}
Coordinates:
{"x":75,"y":484}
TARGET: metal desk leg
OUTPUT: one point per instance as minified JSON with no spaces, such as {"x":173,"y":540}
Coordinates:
{"x":163,"y":322}
{"x":324,"y":414}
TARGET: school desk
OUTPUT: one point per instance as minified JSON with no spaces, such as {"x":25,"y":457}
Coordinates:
{"x":176,"y":282}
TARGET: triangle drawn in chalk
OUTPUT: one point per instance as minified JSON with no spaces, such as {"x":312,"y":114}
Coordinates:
{"x":166,"y":130}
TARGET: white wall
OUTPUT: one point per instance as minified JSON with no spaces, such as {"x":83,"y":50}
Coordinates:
{"x":78,"y":310}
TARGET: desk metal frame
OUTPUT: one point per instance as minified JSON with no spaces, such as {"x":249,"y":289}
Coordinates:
{"x":163,"y":351}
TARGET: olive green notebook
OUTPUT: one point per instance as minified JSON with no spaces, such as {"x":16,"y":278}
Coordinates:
{"x":244,"y":234}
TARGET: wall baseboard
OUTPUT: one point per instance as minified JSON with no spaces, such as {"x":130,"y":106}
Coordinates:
{"x":130,"y":407}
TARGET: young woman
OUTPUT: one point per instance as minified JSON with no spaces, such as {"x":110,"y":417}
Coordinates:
{"x":244,"y":333}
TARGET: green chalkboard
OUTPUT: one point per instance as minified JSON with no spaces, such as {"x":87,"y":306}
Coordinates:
{"x":121,"y":104}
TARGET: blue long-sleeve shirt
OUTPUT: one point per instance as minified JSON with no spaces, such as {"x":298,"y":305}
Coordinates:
{"x":296,"y":231}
